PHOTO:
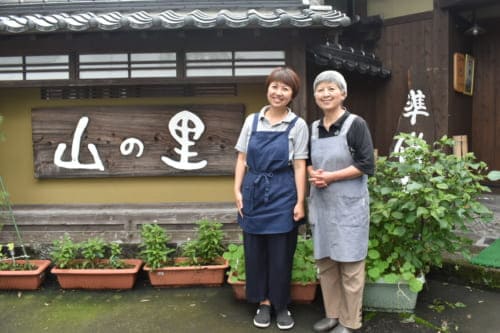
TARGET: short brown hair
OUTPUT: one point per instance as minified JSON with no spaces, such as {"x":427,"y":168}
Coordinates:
{"x":287,"y":76}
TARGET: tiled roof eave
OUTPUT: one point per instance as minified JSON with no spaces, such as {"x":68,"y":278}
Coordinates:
{"x":347,"y":58}
{"x":169,"y":19}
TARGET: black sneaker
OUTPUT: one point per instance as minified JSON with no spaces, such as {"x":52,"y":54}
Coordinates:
{"x":262,"y":318}
{"x":284,"y":320}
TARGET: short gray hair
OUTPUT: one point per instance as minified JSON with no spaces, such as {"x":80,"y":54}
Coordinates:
{"x":332,"y":77}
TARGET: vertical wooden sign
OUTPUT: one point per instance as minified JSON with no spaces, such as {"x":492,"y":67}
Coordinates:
{"x":463,"y":73}
{"x":458,"y":72}
{"x":469,"y":74}
{"x":417,"y":117}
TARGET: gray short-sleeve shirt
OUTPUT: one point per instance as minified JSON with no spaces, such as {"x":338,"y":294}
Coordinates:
{"x":298,"y":138}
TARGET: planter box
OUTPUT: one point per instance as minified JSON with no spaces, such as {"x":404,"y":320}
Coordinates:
{"x":24,"y":280}
{"x":121,"y":278}
{"x":388,"y":297}
{"x":299,"y":293}
{"x":180,"y":276}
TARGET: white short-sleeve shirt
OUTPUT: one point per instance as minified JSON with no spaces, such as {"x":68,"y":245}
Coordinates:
{"x":298,"y":138}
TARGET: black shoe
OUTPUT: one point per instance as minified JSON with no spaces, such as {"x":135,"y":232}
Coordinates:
{"x":284,"y":320}
{"x":262,"y":318}
{"x":325,"y":324}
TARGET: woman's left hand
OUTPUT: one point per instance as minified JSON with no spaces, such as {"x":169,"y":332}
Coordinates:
{"x":298,"y":212}
{"x":319,"y":178}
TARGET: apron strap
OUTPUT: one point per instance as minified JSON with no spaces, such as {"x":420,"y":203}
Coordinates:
{"x":255,"y":123}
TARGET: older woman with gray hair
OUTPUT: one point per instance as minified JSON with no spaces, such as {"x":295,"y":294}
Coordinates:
{"x":341,"y":158}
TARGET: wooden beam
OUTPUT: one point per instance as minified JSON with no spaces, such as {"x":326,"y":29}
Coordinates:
{"x":464,"y":4}
{"x":42,"y":224}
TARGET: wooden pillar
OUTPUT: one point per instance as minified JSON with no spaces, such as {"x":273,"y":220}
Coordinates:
{"x":439,"y":72}
{"x":296,"y":58}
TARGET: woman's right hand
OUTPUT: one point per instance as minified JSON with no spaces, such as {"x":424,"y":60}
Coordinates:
{"x":318,"y":177}
{"x":239,"y":202}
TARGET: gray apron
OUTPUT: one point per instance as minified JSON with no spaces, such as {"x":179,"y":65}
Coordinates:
{"x":339,"y":213}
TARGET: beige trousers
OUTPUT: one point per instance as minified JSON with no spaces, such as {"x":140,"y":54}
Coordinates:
{"x":342,"y":286}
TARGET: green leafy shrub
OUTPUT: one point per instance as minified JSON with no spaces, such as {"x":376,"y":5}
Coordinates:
{"x":304,"y":266}
{"x":420,"y":199}
{"x":235,"y":255}
{"x":65,"y":254}
{"x":208,"y":245}
{"x":155,"y":251}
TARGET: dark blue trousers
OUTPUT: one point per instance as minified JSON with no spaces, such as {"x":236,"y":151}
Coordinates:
{"x":268,"y":264}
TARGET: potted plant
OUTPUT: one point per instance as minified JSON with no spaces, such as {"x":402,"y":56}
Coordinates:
{"x":20,"y":274}
{"x":92,"y":264}
{"x":421,"y":199}
{"x":200,"y":261}
{"x":304,"y":273}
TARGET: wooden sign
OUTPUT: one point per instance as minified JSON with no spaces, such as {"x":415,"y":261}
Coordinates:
{"x":463,"y":73}
{"x":458,"y":72}
{"x":469,"y":74}
{"x":416,"y":117}
{"x":119,"y":141}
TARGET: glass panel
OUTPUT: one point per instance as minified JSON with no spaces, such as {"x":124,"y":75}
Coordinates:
{"x":11,"y":60}
{"x":253,"y":71}
{"x":244,"y":55}
{"x":11,"y":76}
{"x":47,"y":76}
{"x":52,"y":59}
{"x":210,"y":64}
{"x":190,"y":56}
{"x":47,"y":67}
{"x":153,"y":56}
{"x":103,"y":57}
{"x":259,"y":63}
{"x":110,"y":65}
{"x":209,"y":72}
{"x":153,"y":65}
{"x":103,"y":74}
{"x":153,"y":73}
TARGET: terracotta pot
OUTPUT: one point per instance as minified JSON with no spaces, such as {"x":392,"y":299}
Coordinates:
{"x":24,"y":280}
{"x":108,"y":278}
{"x":299,"y":293}
{"x":303,"y":293}
{"x":180,"y":276}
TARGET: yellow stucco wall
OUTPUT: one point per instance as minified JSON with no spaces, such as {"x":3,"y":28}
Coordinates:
{"x":395,"y":8}
{"x":16,"y":158}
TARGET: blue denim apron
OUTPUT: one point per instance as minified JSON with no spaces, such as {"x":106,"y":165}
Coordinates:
{"x":269,"y":192}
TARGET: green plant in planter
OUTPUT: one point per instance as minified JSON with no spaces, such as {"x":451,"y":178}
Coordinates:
{"x":115,"y":257}
{"x":304,"y":266}
{"x":303,"y":270}
{"x":420,"y":199}
{"x":65,"y":253}
{"x":155,"y":251}
{"x":8,"y":263}
{"x":207,"y":247}
{"x":235,"y":255}
{"x":92,"y":250}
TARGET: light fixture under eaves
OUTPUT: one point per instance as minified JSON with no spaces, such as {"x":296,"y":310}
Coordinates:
{"x":475,"y":30}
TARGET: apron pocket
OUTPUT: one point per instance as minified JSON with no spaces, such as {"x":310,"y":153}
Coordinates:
{"x":352,"y":211}
{"x":248,"y":192}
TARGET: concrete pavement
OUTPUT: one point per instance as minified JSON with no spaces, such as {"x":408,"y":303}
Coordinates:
{"x":440,"y":306}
